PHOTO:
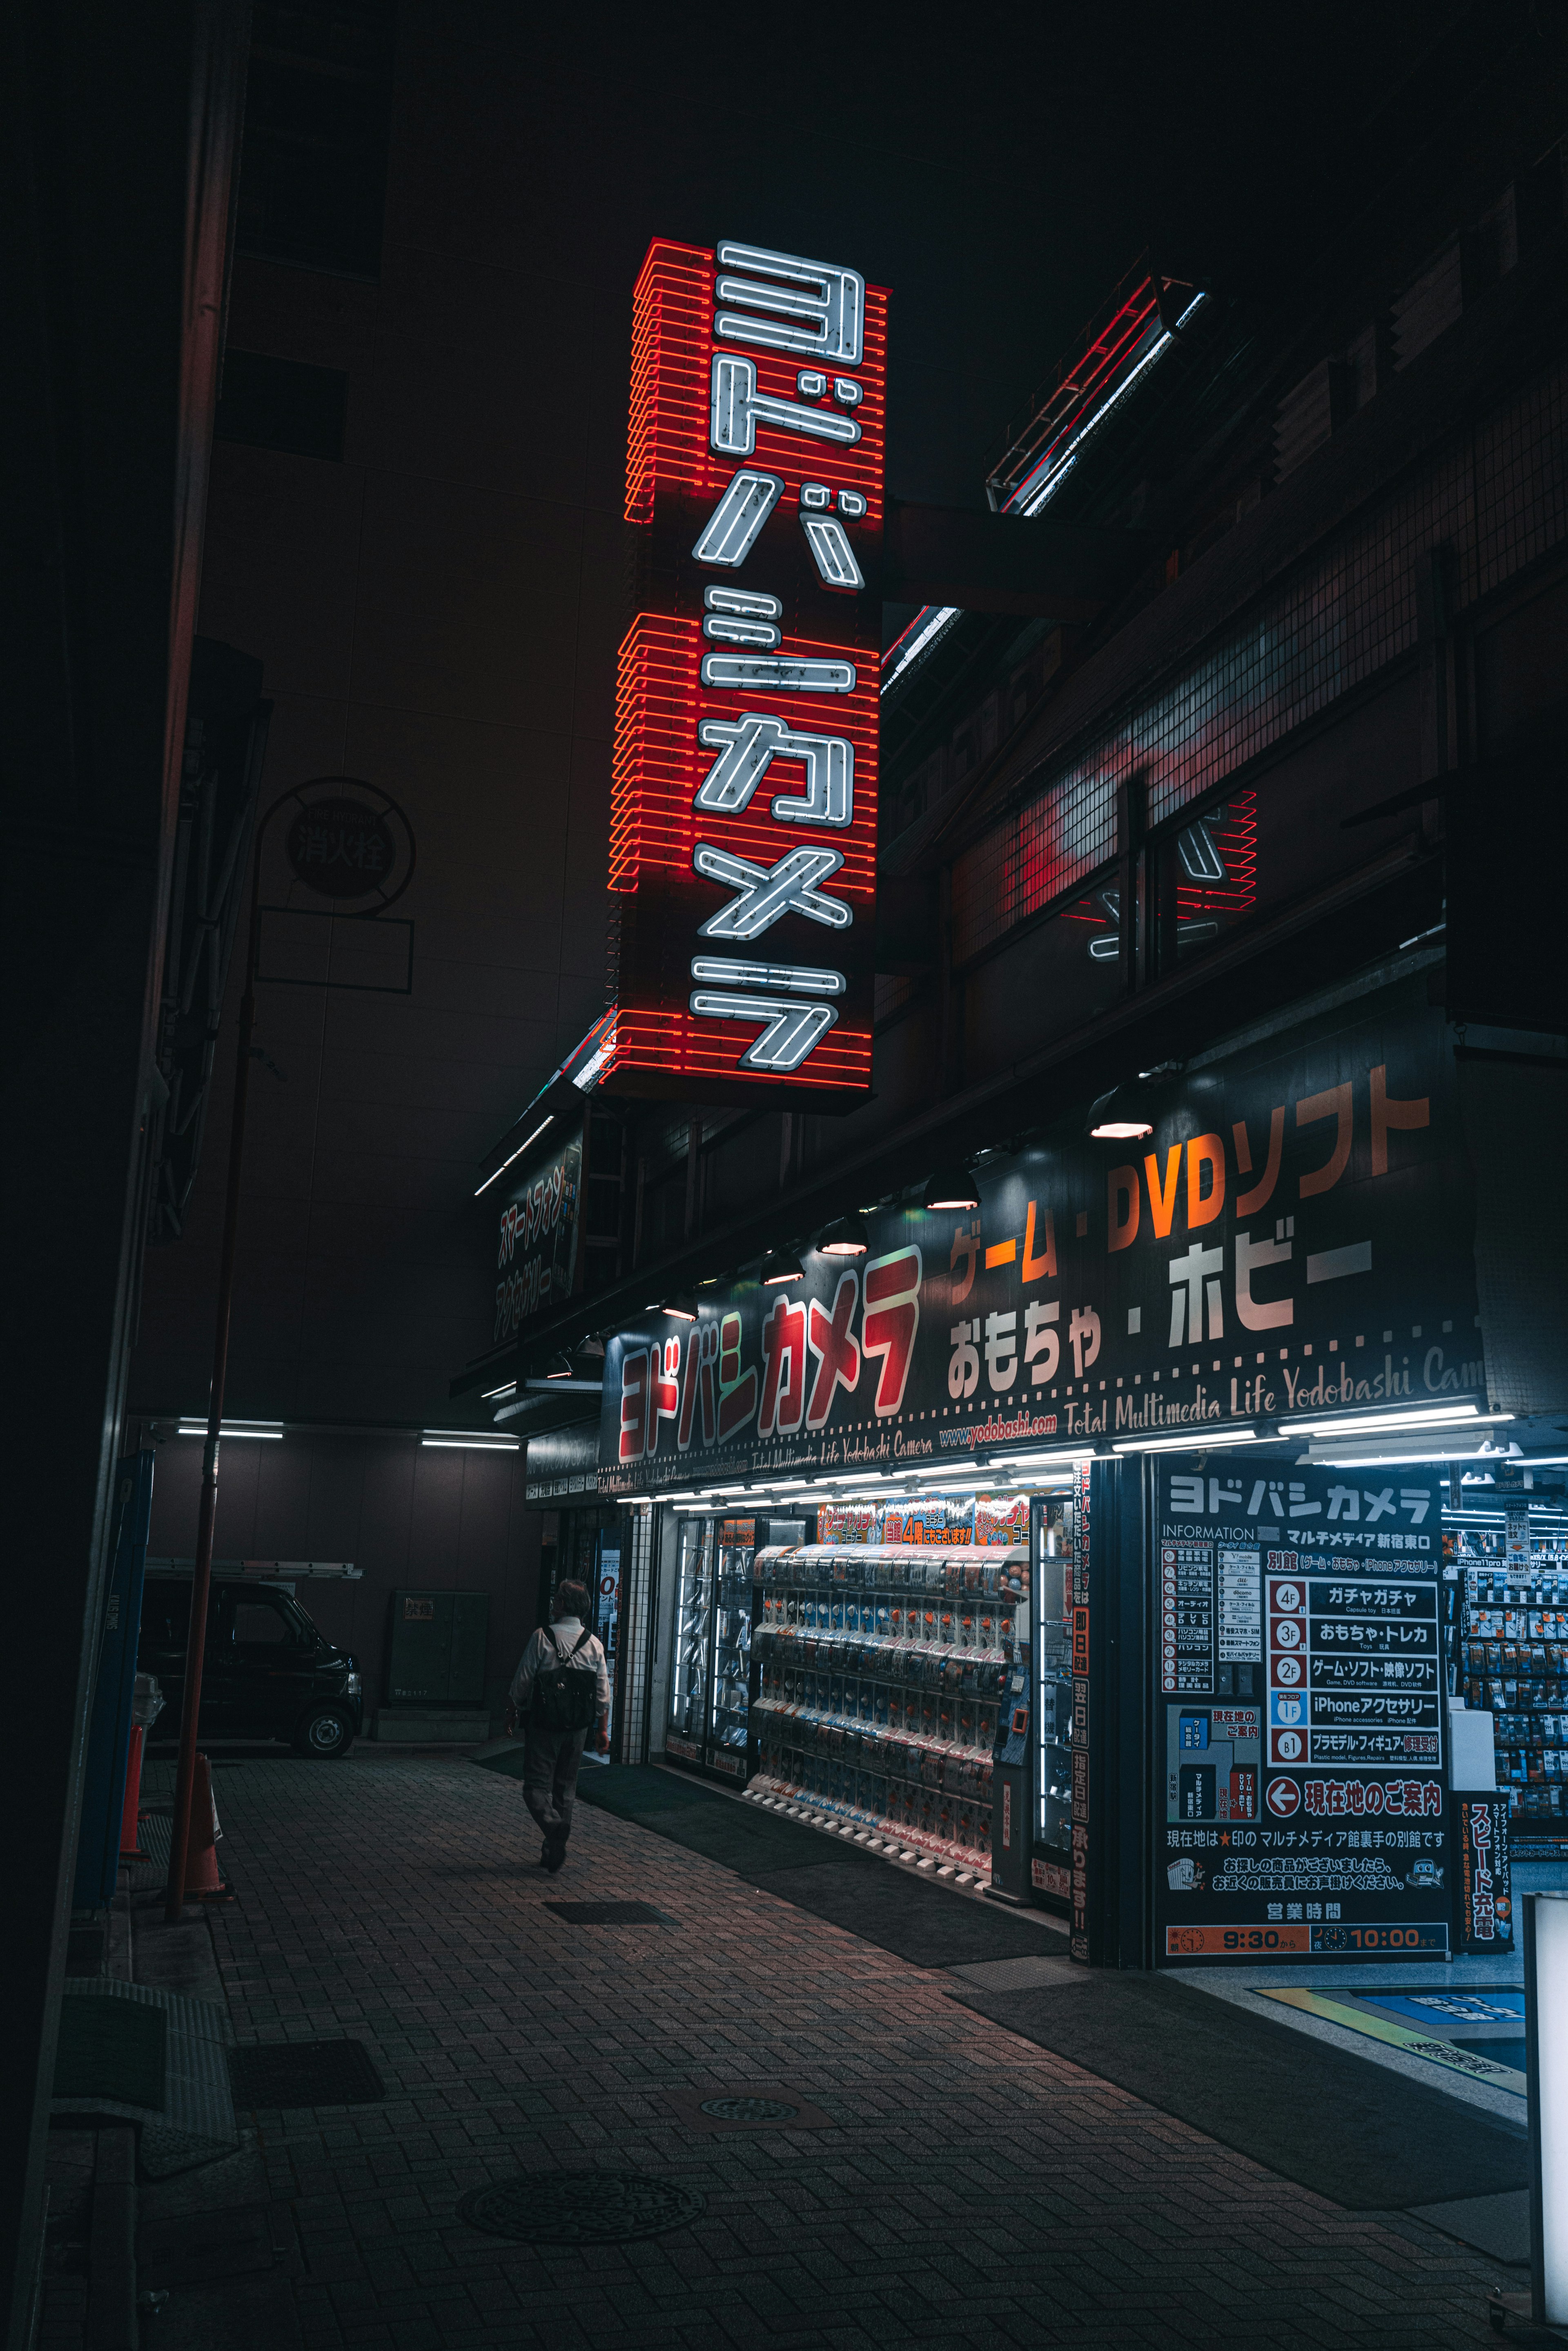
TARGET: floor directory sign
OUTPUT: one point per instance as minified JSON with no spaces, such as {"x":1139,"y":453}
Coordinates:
{"x":1300,"y":1806}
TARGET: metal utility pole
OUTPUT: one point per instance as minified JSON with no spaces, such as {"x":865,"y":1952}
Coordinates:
{"x":201,"y":1578}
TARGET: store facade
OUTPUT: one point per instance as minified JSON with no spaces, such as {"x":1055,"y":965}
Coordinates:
{"x":1130,"y":1541}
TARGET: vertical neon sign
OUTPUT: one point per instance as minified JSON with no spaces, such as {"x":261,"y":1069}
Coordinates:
{"x":743,"y":832}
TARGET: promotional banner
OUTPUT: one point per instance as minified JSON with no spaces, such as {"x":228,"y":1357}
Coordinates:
{"x":1295,"y":1237}
{"x":1484,"y":1907}
{"x":1300,"y":1802}
{"x":536,"y":1249}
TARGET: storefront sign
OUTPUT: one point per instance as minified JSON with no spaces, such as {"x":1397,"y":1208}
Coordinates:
{"x":1485,"y":1906}
{"x":1301,"y":1805}
{"x":1293,"y":1238}
{"x":536,"y":1250}
{"x":743,"y":826}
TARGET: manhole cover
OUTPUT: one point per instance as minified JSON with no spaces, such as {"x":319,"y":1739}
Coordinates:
{"x":750,"y":2110}
{"x":305,"y":2073}
{"x":580,"y":2207}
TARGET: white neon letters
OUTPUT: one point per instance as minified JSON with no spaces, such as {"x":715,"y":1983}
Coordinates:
{"x":813,"y":311}
{"x":737,"y":408}
{"x":767,"y":892}
{"x":811,"y":307}
{"x":731,"y":531}
{"x":751,"y":743}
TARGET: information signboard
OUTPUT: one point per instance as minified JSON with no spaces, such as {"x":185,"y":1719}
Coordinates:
{"x":1300,"y":1806}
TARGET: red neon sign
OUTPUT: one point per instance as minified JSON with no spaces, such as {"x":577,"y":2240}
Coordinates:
{"x":743,"y":826}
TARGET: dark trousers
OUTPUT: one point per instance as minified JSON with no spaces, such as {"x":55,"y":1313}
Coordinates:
{"x":550,"y":1759}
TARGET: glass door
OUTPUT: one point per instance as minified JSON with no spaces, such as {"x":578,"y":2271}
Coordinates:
{"x":728,"y":1700}
{"x":1052,"y":1597}
{"x":691,"y":1662}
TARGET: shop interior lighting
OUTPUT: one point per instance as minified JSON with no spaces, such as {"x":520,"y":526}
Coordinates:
{"x":1380,"y":1424}
{"x":1052,"y":1460}
{"x":781,"y":1265}
{"x":951,"y":1187}
{"x":1115,"y":1117}
{"x":270,"y":1429}
{"x":509,"y":1388}
{"x":469,"y":1440}
{"x":516,"y":1154}
{"x":1211,"y":1440}
{"x":846,"y":1237}
{"x":1336,"y":1458}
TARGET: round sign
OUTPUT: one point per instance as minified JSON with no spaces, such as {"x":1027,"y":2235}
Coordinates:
{"x":1289,"y":1710}
{"x":1288,"y":1670}
{"x":341,"y":848}
{"x":1287,"y":1633}
{"x":1284,"y":1798}
{"x":1287,"y":1746}
{"x":1286,"y":1595}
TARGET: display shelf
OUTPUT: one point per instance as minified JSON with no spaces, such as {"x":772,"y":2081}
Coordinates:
{"x":694,"y":1602}
{"x":881,"y":1670}
{"x":1513,"y":1663}
{"x":877,"y":1832}
{"x":730,"y":1713}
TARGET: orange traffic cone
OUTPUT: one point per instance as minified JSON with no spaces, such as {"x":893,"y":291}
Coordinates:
{"x":203,"y":1882}
{"x":128,"y":1819}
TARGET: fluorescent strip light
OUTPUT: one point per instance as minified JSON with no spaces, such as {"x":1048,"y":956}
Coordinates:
{"x":1069,"y":457}
{"x":1376,"y":1424}
{"x":1206,"y":1443}
{"x":1055,"y":1460}
{"x":508,"y":1389}
{"x":934,"y":627}
{"x":1334,"y":1460}
{"x":270,"y":1429}
{"x":516,"y":1154}
{"x":472,"y":1440}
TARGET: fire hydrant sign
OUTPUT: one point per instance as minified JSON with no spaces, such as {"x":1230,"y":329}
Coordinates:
{"x":1301,"y":1809}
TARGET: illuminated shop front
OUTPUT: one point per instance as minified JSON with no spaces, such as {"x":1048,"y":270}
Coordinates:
{"x":1128,"y":1534}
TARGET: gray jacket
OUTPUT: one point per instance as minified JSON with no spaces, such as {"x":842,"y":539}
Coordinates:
{"x":539,"y":1653}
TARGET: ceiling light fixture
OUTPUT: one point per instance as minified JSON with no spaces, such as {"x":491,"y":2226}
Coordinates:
{"x":270,"y":1429}
{"x":1211,"y":1441}
{"x":845,"y":1237}
{"x":1377,"y":1423}
{"x":1115,"y":1117}
{"x":559,"y":1367}
{"x":782,"y":1265}
{"x":682,"y":1309}
{"x":951,"y":1187}
{"x":469,"y":1440}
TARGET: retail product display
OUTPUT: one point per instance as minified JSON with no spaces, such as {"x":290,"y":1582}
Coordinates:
{"x":1054,"y":1714}
{"x":880,"y":1671}
{"x":1513,"y":1661}
{"x":710,"y":1678}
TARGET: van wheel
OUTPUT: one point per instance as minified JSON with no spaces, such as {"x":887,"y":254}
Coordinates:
{"x":325,"y":1732}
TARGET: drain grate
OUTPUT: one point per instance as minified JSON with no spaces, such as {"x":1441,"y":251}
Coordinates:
{"x":580,"y":2208}
{"x":305,"y":2073}
{"x":750,"y":2110}
{"x":608,"y":1914}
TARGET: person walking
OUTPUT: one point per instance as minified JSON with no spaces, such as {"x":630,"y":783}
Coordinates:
{"x":561,"y":1687}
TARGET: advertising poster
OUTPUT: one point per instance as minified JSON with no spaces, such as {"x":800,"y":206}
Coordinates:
{"x":536,"y":1252}
{"x":1480,"y":1856}
{"x":1295,"y":1237}
{"x":1301,"y":1808}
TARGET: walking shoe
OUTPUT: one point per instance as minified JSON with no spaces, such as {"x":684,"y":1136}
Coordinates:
{"x":544,"y":1855}
{"x":554,"y":1856}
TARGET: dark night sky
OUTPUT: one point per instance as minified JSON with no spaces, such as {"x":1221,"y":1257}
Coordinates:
{"x":997,"y":169}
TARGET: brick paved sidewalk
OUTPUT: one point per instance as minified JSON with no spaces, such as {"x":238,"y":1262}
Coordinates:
{"x":976,"y":2189}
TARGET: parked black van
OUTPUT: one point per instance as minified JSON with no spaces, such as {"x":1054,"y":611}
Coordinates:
{"x":268,"y":1672}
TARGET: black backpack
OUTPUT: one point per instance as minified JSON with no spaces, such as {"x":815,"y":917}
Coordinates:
{"x":565,"y":1696}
